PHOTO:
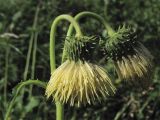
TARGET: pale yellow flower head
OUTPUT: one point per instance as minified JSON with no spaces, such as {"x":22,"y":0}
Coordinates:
{"x":131,"y":59}
{"x":137,"y":65}
{"x":79,"y":83}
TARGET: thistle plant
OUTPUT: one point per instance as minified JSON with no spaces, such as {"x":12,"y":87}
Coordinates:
{"x":80,"y":80}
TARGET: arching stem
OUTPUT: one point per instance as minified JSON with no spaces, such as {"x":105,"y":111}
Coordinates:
{"x":59,"y":106}
{"x":93,"y":15}
{"x":19,"y":87}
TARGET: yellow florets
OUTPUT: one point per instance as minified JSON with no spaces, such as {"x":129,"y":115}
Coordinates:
{"x":79,"y":83}
{"x":131,"y":59}
{"x":135,"y":65}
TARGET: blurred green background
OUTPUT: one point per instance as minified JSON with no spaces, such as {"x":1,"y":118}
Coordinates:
{"x":25,"y":21}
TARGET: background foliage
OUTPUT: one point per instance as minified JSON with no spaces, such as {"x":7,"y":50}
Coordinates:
{"x":25,"y":21}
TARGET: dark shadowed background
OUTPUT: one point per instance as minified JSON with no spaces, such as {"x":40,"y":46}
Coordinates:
{"x":18,"y":29}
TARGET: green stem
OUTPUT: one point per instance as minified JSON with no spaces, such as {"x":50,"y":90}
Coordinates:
{"x":59,"y":106}
{"x":34,"y":50}
{"x":33,"y":61}
{"x":95,"y":16}
{"x":28,"y":57}
{"x":6,"y":72}
{"x":34,"y":56}
{"x":31,"y":44}
{"x":19,"y":87}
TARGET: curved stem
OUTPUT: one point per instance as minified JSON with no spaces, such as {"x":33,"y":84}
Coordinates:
{"x":93,"y":15}
{"x":88,"y":14}
{"x":19,"y":87}
{"x":59,"y":106}
{"x":53,"y":33}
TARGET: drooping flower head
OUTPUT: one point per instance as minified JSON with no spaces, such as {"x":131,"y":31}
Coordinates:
{"x":131,"y":59}
{"x":79,"y":81}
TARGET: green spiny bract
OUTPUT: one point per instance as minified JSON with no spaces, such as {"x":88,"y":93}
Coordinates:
{"x":81,"y":48}
{"x":121,"y":43}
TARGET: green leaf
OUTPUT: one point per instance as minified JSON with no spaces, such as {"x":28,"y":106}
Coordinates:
{"x":33,"y":102}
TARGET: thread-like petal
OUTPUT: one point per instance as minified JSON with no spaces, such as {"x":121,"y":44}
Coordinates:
{"x":135,"y":65}
{"x":79,"y":83}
